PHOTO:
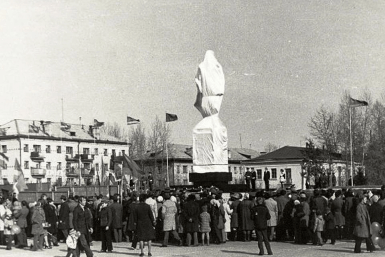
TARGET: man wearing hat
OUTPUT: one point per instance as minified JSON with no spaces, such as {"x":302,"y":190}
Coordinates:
{"x":266,"y":178}
{"x":82,"y":222}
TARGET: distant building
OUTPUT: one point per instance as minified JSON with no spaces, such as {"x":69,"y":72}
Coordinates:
{"x":292,"y":160}
{"x":180,"y":165}
{"x":56,"y":152}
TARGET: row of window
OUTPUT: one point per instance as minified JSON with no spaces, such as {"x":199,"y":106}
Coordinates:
{"x":273,"y":173}
{"x":48,"y":166}
{"x":69,"y":150}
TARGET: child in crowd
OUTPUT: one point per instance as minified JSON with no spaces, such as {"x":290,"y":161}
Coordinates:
{"x":71,"y":241}
{"x":204,"y":225}
{"x":8,"y":223}
{"x":330,"y":226}
{"x":319,"y":227}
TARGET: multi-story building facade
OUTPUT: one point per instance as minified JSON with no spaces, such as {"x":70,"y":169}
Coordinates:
{"x":56,"y":152}
{"x":178,"y":160}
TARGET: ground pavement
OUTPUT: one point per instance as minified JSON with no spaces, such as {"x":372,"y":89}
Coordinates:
{"x":239,"y":249}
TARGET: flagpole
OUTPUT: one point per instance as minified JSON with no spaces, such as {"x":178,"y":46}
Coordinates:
{"x":168,"y":180}
{"x":351,"y":146}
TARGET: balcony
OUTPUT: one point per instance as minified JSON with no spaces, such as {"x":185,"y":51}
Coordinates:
{"x":70,"y":158}
{"x":72,"y":172}
{"x":38,"y":172}
{"x":87,"y":157}
{"x":37,"y":157}
{"x":88,"y":173}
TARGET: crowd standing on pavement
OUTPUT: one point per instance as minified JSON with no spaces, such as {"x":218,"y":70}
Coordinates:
{"x":193,"y":218}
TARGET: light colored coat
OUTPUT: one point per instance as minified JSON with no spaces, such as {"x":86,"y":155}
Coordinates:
{"x":169,"y":211}
{"x":228,"y":213}
{"x":272,"y":206}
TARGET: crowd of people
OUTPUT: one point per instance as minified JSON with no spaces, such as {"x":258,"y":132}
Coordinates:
{"x":193,"y":219}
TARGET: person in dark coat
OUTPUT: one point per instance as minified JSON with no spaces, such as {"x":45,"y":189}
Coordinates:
{"x":72,"y":205}
{"x":64,"y":218}
{"x":82,"y":223}
{"x":362,"y":228}
{"x":234,"y":216}
{"x":144,"y":221}
{"x":131,"y":224}
{"x":51,"y":219}
{"x":105,"y":221}
{"x":248,"y":179}
{"x":253,"y":178}
{"x":375,"y":210}
{"x":266,"y":179}
{"x":336,"y":208}
{"x":217,"y":214}
{"x":330,"y":227}
{"x":191,"y":213}
{"x":349,"y":212}
{"x":281,"y":231}
{"x":37,"y":220}
{"x":260,"y":215}
{"x":246,"y":224}
{"x":117,"y":219}
{"x":21,"y":217}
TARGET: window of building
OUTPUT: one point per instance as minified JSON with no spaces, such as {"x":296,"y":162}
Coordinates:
{"x":26,"y":148}
{"x":185,"y":181}
{"x":86,"y":150}
{"x":26,"y":180}
{"x":87,"y":166}
{"x":58,"y":149}
{"x":259,"y":174}
{"x":97,"y":166}
{"x":37,"y":148}
{"x":288,"y":175}
{"x":184,"y":168}
{"x":105,"y":152}
{"x":178,"y":181}
{"x":48,"y":166}
{"x":113,"y":152}
{"x":274,"y":173}
{"x":38,"y":165}
{"x":48,"y":149}
{"x":59,"y":166}
{"x":49,"y":180}
{"x":229,"y":167}
{"x":4,"y":148}
{"x":159,"y":169}
{"x":5,"y":181}
{"x":177,"y":169}
{"x":96,"y":151}
{"x":69,"y":150}
{"x":123,"y":152}
{"x":235,"y":170}
{"x":26,"y":164}
{"x":105,"y":166}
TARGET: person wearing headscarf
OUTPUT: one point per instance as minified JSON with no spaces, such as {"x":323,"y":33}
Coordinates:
{"x":145,"y":222}
{"x":191,"y":219}
{"x":169,"y":210}
{"x":37,"y":220}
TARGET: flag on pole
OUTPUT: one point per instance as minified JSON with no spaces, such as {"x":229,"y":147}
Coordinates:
{"x":357,"y":103}
{"x":131,"y":121}
{"x":65,"y":126}
{"x":98,"y":123}
{"x":19,"y":185}
{"x":171,"y":117}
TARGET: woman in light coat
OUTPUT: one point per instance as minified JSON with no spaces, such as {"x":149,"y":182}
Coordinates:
{"x":272,"y":206}
{"x":169,"y":210}
{"x":228,"y":213}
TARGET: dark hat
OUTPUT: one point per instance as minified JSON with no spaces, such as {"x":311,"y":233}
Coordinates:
{"x":105,"y":200}
{"x":63,"y":197}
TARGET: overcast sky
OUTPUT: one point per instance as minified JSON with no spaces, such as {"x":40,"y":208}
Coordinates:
{"x":108,"y":59}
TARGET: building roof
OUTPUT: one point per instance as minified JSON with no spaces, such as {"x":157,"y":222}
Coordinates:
{"x":289,"y":153}
{"x":180,"y":151}
{"x":53,"y":130}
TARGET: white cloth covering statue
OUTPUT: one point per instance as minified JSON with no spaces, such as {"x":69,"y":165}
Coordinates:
{"x":210,"y":135}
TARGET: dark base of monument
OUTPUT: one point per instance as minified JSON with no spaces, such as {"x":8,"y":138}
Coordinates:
{"x":218,"y":179}
{"x":211,"y":176}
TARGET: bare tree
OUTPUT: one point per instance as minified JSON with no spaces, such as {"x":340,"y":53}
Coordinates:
{"x":270,"y":147}
{"x":138,"y":141}
{"x":114,"y":130}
